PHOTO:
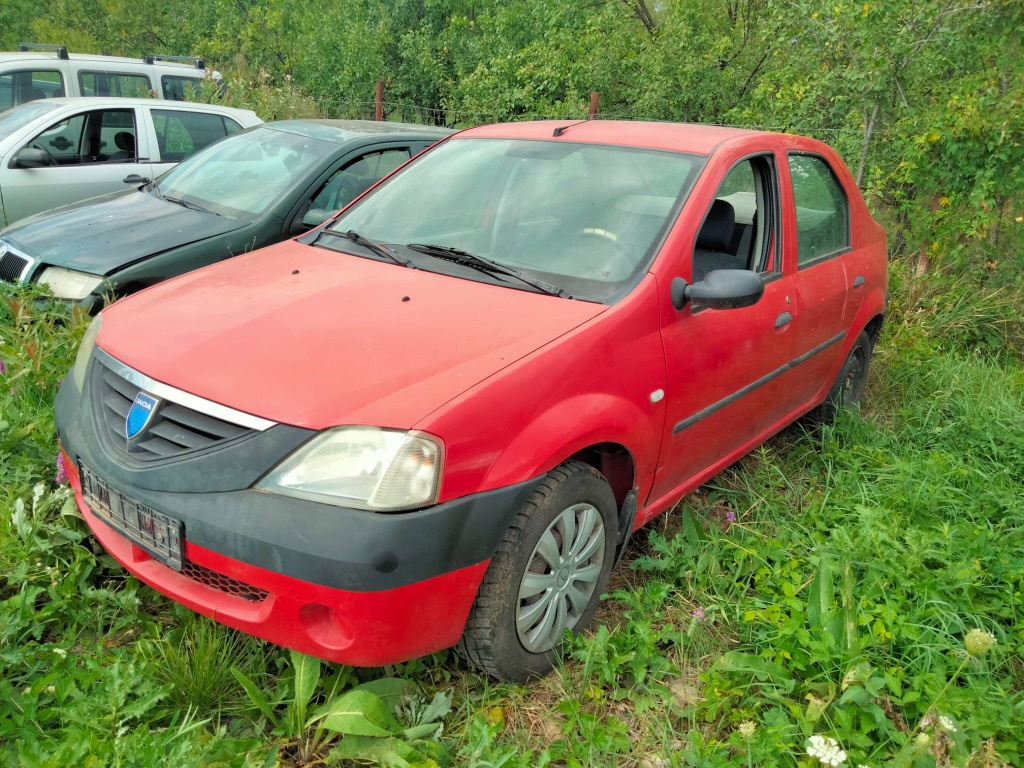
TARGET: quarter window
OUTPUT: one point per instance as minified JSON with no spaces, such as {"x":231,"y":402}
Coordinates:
{"x":19,"y":87}
{"x":822,"y":211}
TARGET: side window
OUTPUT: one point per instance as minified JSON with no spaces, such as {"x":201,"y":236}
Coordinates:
{"x":346,"y":184}
{"x":114,"y":84}
{"x":178,"y":88}
{"x":822,"y":210}
{"x":738,"y":231}
{"x":18,"y":87}
{"x":180,"y":133}
{"x":92,"y":137}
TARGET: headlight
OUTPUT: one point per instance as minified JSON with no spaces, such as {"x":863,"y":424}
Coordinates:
{"x":68,"y":284}
{"x":85,"y":351}
{"x":383,"y":470}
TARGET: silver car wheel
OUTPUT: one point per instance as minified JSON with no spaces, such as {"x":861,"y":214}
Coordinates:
{"x":560,"y":578}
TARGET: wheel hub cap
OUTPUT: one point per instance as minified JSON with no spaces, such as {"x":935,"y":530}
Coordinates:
{"x":561,"y":577}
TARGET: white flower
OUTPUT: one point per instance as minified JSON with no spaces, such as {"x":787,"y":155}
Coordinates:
{"x":827,"y":750}
{"x":947,"y":724}
{"x":747,"y":728}
{"x":61,"y":652}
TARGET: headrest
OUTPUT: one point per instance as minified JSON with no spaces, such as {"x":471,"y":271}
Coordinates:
{"x":124,"y":141}
{"x":716,"y":233}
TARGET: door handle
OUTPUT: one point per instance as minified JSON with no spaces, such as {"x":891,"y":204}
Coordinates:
{"x":134,"y":178}
{"x":858,"y":281}
{"x":783,"y":320}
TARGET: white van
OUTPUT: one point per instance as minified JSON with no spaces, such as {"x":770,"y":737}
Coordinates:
{"x":45,"y":71}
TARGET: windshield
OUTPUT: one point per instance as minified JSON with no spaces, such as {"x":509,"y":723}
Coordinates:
{"x":17,"y":118}
{"x":245,"y":173}
{"x":583,"y":217}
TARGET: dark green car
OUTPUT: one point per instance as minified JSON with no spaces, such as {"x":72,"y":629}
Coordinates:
{"x":249,"y":190}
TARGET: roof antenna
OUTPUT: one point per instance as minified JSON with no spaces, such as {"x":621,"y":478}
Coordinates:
{"x":563,"y":128}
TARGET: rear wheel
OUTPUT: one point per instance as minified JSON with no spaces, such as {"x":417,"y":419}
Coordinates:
{"x":848,"y":388}
{"x":546,"y":576}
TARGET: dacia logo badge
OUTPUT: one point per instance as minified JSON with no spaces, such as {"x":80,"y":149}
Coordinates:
{"x":139,"y":416}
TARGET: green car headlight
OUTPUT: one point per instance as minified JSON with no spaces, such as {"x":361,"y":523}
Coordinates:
{"x":382,"y":470}
{"x":69,"y":284}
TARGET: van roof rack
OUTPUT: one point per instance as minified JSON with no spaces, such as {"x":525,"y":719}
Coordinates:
{"x":195,"y":60}
{"x":60,"y":50}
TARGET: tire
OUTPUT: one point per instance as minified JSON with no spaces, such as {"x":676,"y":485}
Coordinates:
{"x":565,"y":529}
{"x":848,"y":388}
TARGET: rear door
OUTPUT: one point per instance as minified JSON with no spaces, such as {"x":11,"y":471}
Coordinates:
{"x":818,"y":214}
{"x":92,"y":151}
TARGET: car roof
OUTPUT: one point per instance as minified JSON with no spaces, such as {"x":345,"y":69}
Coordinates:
{"x":340,"y":131}
{"x":679,"y":137}
{"x":27,"y":56}
{"x":125,"y":101}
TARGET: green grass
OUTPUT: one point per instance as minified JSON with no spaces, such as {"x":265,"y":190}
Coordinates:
{"x":824,"y":585}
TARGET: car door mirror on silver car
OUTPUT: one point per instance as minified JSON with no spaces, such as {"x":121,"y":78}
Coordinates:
{"x":31,"y":157}
{"x":720,"y":289}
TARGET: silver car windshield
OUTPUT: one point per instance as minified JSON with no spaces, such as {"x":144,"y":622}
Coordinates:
{"x":245,"y":173}
{"x":15,"y":119}
{"x":585,"y":218}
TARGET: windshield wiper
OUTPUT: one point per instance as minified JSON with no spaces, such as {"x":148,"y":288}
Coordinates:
{"x":186,"y":204}
{"x":371,"y":245}
{"x":482,"y":263}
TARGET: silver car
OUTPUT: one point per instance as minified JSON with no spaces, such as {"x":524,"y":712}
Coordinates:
{"x":59,"y":151}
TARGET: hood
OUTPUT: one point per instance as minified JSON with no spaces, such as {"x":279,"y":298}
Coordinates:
{"x":315,"y":338}
{"x":104,"y":234}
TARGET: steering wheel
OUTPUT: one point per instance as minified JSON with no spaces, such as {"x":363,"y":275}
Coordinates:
{"x":602,"y":234}
{"x":38,"y":145}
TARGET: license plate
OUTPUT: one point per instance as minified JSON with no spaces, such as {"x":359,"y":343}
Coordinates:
{"x":156,"y":533}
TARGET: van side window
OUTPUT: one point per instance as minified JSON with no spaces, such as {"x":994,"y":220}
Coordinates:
{"x":178,"y":88}
{"x":114,"y":84}
{"x":179,"y":133}
{"x":18,"y":87}
{"x":822,"y":211}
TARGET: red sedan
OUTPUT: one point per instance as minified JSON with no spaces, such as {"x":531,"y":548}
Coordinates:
{"x":436,"y":420}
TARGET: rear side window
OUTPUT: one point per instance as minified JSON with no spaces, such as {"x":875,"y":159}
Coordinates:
{"x":115,"y":84}
{"x":822,"y":210}
{"x":178,"y":88}
{"x":29,"y":85}
{"x":180,"y":133}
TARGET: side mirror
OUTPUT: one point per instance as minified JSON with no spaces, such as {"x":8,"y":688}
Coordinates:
{"x":720,"y":289}
{"x":315,"y":217}
{"x":31,"y":157}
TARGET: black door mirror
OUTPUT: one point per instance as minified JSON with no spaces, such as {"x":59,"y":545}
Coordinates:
{"x":720,"y":289}
{"x":32,"y":157}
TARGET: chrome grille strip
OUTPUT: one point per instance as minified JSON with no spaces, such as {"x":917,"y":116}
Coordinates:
{"x":186,"y":399}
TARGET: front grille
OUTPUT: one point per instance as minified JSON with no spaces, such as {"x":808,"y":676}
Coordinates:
{"x":13,"y":266}
{"x":174,"y":429}
{"x":223,"y":583}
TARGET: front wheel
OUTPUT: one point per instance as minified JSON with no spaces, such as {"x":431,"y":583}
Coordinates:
{"x":546,"y":576}
{"x":848,"y":388}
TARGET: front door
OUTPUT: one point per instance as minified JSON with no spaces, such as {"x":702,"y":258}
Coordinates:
{"x":725,"y":367}
{"x":91,"y":154}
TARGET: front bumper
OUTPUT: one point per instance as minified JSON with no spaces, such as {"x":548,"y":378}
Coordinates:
{"x":346,"y":585}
